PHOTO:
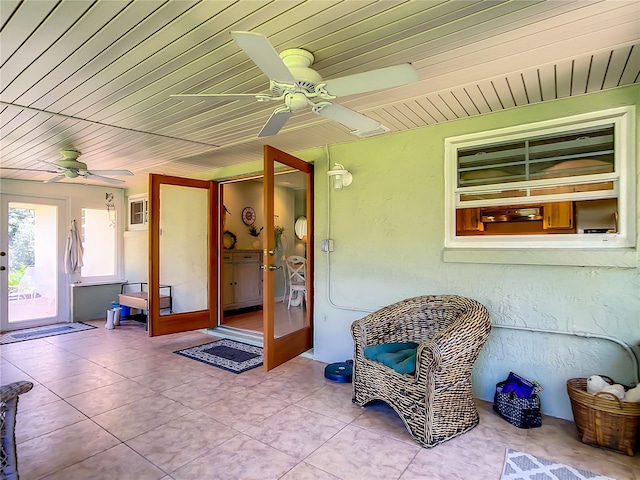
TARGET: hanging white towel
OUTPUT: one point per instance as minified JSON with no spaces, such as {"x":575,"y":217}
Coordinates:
{"x":73,"y":251}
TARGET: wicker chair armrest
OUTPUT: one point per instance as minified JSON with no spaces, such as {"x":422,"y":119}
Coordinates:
{"x":428,"y":360}
{"x":459,"y":342}
{"x":12,"y":390}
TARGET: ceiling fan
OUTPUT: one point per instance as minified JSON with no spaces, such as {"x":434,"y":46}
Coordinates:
{"x":296,"y":84}
{"x":70,"y":167}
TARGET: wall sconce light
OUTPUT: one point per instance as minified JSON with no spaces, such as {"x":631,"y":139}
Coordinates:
{"x":300,"y":228}
{"x":340,"y":177}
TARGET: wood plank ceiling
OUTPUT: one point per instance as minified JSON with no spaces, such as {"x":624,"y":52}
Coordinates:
{"x":96,"y":76}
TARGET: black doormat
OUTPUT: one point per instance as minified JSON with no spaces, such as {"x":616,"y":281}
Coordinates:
{"x":42,"y":332}
{"x":226,"y":354}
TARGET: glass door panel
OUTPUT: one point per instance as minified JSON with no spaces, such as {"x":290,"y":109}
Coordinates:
{"x":288,"y":325}
{"x":290,"y":279}
{"x":182,"y":271}
{"x":184,"y":245}
{"x":32,"y":280}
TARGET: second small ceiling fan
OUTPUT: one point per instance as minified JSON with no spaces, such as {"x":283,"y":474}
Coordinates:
{"x":70,"y":167}
{"x":296,"y":84}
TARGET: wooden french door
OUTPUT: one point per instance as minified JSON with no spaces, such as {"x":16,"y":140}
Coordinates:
{"x":281,"y":348}
{"x":183,"y":234}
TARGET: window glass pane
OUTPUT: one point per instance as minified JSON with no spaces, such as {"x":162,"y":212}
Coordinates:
{"x":578,"y":143}
{"x":580,"y":152}
{"x":583,"y":187}
{"x":99,"y":242}
{"x":33,"y":289}
{"x":184,"y":240}
{"x":584,"y":217}
{"x":467,"y":197}
{"x":137,"y":212}
{"x":492,"y":164}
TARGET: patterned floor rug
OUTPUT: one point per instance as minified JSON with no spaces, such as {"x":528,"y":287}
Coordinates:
{"x":227,"y":354}
{"x":522,"y":466}
{"x":41,"y":332}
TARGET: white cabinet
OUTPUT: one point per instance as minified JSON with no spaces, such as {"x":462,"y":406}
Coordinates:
{"x":242,"y":279}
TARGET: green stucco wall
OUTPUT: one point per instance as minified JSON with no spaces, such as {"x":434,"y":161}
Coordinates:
{"x":388,"y":232}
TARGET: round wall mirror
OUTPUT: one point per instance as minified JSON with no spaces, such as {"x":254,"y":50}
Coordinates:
{"x":301,"y":228}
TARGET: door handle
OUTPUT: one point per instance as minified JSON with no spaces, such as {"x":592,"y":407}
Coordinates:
{"x":2,"y":267}
{"x":272,"y":268}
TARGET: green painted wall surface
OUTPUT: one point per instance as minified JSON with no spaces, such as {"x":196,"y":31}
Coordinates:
{"x":388,"y":232}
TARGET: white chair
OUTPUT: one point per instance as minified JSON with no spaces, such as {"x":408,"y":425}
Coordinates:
{"x":297,"y":273}
{"x":27,"y":286}
{"x":285,"y":276}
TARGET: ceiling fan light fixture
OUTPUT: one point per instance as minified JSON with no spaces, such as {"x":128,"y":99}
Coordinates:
{"x":296,"y":101}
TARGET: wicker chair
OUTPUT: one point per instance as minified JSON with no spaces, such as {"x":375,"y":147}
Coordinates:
{"x":436,"y":403}
{"x":8,"y":409}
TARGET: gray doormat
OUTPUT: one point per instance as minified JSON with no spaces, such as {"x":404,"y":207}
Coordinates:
{"x":42,"y":332}
{"x":227,"y":354}
{"x":523,"y":466}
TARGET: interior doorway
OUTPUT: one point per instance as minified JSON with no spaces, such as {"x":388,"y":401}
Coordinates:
{"x":243,"y":227}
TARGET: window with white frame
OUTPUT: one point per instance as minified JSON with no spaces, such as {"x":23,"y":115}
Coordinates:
{"x":138,"y":212}
{"x":98,"y":229}
{"x":555,"y":184}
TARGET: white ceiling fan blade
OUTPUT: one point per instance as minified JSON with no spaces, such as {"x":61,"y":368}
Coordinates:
{"x":379,"y":79}
{"x":349,"y":118}
{"x":57,"y":178}
{"x":91,"y":176}
{"x":110,"y":172}
{"x":28,"y":169}
{"x":221,"y":97}
{"x":276,"y":121}
{"x":260,"y":50}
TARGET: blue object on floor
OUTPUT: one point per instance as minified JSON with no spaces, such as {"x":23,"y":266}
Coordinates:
{"x":339,"y":372}
{"x":124,"y":311}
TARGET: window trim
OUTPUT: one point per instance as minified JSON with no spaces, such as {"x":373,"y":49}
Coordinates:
{"x":625,"y":132}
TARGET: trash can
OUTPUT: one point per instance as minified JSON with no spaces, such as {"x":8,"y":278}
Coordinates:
{"x":124,"y":311}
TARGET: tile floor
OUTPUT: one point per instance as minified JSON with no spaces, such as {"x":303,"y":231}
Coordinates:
{"x":115,"y":404}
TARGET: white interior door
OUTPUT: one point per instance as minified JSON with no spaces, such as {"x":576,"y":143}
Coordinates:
{"x":33,"y":288}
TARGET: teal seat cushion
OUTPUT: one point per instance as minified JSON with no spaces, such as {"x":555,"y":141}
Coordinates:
{"x":399,"y":356}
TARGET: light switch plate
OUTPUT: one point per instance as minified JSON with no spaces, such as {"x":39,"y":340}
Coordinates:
{"x":326,"y":245}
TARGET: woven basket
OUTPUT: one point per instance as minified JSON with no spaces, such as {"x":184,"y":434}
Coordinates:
{"x":602,"y":419}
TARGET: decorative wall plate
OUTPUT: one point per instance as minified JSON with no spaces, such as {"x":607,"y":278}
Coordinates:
{"x":229,"y":240}
{"x":248,"y":216}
